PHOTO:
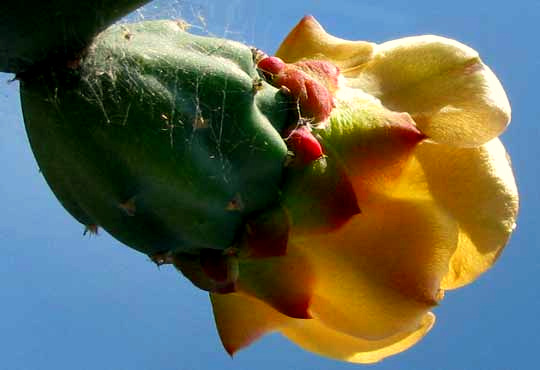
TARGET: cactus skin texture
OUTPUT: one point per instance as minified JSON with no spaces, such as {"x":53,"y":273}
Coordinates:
{"x":167,"y":140}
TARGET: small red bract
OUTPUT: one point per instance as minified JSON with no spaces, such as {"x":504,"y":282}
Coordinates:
{"x":304,"y":145}
{"x":272,"y":65}
{"x":311,"y":83}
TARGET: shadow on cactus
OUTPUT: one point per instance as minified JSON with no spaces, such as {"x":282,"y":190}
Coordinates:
{"x":332,"y":192}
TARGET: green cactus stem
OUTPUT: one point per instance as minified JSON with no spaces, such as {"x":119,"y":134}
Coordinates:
{"x":167,"y":140}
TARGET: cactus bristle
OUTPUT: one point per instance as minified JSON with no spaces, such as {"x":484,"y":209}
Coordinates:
{"x":91,"y":230}
{"x":129,"y":207}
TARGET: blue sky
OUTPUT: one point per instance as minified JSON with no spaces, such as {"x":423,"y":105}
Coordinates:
{"x":74,"y":302}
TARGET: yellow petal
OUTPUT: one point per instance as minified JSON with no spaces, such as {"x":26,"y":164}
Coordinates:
{"x":240,"y":320}
{"x":309,"y":40}
{"x":453,"y":97}
{"x":380,"y":273}
{"x":314,"y":336}
{"x":476,"y":186}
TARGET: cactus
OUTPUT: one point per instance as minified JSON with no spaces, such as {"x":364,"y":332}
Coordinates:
{"x":250,"y":173}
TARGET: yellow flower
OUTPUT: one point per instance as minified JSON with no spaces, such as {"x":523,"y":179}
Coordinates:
{"x":414,"y":129}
